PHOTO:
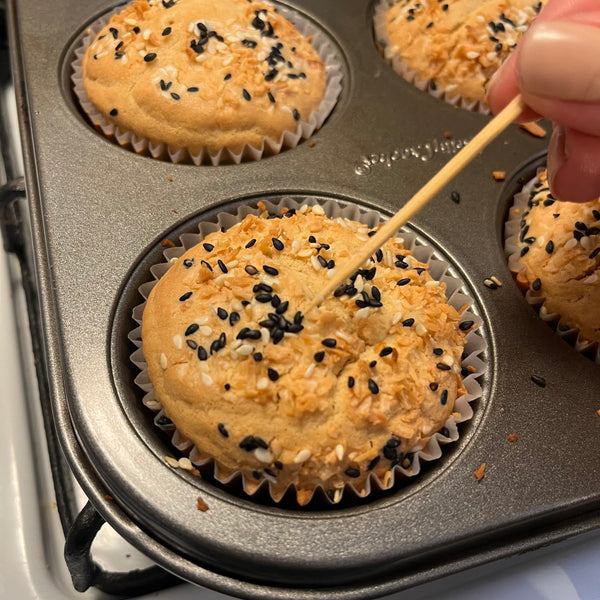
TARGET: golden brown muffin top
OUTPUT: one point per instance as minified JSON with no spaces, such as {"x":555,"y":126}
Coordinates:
{"x":457,"y":44}
{"x":559,"y":248}
{"x":203,"y":73}
{"x":319,"y":399}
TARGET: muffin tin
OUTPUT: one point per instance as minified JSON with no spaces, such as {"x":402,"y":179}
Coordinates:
{"x":99,"y":215}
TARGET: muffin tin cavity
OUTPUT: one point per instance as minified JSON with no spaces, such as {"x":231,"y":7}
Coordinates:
{"x":274,"y":66}
{"x":420,"y":464}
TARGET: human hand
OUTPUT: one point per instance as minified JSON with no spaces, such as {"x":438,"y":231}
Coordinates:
{"x":556,"y":68}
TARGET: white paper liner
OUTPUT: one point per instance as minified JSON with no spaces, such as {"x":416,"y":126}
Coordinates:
{"x":536,"y":299}
{"x":473,"y":361}
{"x":288,"y":139}
{"x":447,"y":94}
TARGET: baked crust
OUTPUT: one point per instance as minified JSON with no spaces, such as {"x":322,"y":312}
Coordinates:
{"x":559,"y":260}
{"x":457,"y":44}
{"x":200,"y":74}
{"x":341,"y":392}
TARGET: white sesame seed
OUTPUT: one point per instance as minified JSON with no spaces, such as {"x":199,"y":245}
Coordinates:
{"x":331,"y":273}
{"x":491,"y":56}
{"x":359,"y":284}
{"x":296,"y":245}
{"x":264,"y":332}
{"x":163,"y":360}
{"x":232,"y":264}
{"x":337,"y":496}
{"x":343,"y":335}
{"x":130,"y":21}
{"x":147,"y":33}
{"x":363,"y":313}
{"x":185,"y":463}
{"x":205,"y":330}
{"x":397,"y":318}
{"x":447,"y":359}
{"x":339,"y":452}
{"x":420,"y":329}
{"x":263,"y":455}
{"x":178,"y":342}
{"x":228,"y":60}
{"x":303,"y":208}
{"x":496,"y":280}
{"x":318,"y":210}
{"x":302,"y":456}
{"x":432,"y":284}
{"x":315,"y":263}
{"x":203,"y":366}
{"x":593,"y":278}
{"x":305,"y":253}
{"x":207,"y":379}
{"x":310,"y":370}
{"x":245,"y":350}
{"x":586,"y":243}
{"x":236,"y":344}
{"x":173,"y":462}
{"x":571,"y":244}
{"x":262,"y":383}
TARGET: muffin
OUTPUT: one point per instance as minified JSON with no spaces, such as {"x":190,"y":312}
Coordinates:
{"x":311,"y":400}
{"x":554,"y":252}
{"x":203,"y":76}
{"x":452,"y":47}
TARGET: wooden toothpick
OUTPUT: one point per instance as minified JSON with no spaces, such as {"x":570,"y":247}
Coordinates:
{"x":420,"y":199}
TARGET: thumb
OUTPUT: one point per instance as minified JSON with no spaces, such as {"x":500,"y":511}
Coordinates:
{"x":559,"y":73}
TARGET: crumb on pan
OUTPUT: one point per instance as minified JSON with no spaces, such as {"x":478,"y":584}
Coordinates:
{"x":168,"y":243}
{"x":479,"y":473}
{"x":201,"y":504}
{"x":447,"y":135}
{"x":499,"y":175}
{"x":534,"y":129}
{"x":513,"y":437}
{"x":108,"y":497}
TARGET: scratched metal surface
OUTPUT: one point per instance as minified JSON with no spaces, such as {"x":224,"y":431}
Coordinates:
{"x":99,"y":214}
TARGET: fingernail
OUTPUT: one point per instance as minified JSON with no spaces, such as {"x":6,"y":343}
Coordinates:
{"x":561,"y":59}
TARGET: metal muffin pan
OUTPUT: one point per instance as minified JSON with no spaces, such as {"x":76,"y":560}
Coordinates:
{"x":99,"y":213}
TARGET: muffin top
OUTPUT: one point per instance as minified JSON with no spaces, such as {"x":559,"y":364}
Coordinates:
{"x":457,"y":45}
{"x":200,"y":74}
{"x":319,"y":399}
{"x":559,"y":257}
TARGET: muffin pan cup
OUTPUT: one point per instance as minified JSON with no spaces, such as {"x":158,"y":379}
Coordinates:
{"x":99,"y":215}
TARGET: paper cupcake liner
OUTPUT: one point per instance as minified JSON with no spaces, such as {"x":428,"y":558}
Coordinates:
{"x":473,"y":363}
{"x":536,"y":299}
{"x":447,"y":94}
{"x":288,"y":139}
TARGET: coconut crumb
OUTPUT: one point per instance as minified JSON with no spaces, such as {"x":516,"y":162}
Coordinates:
{"x":201,"y":504}
{"x":534,"y":129}
{"x":499,"y":175}
{"x":513,"y":437}
{"x":479,"y":473}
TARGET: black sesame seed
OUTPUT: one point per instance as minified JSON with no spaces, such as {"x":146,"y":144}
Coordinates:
{"x":222,"y":430}
{"x":188,"y":263}
{"x":376,"y":293}
{"x":114,"y":32}
{"x":257,"y":356}
{"x":524,"y":251}
{"x":192,"y":329}
{"x":443,"y":366}
{"x":166,"y":31}
{"x":296,"y":114}
{"x":433,"y":386}
{"x":373,"y":463}
{"x":251,"y":270}
{"x":408,"y":322}
{"x":596,"y":214}
{"x":319,"y":356}
{"x":445,"y":432}
{"x":373,"y":364}
{"x":271,"y":97}
{"x":373,"y":387}
{"x":329,"y":342}
{"x":222,"y":313}
{"x":202,"y":353}
{"x":175,"y":96}
{"x":351,"y":382}
{"x":537,"y":284}
{"x":192,"y":344}
{"x":277,"y":244}
{"x":386,"y":351}
{"x":354,"y":473}
{"x":208,"y":247}
{"x":263,"y":298}
{"x":222,"y":266}
{"x":270,"y":270}
{"x":277,"y":334}
{"x":594,"y":253}
{"x":455,"y":197}
{"x":215,"y":346}
{"x":465,"y":325}
{"x":227,"y":387}
{"x":444,"y":397}
{"x":322,"y":261}
{"x":404,"y":281}
{"x":136,"y":29}
{"x":282,"y":307}
{"x":538,"y":380}
{"x":550,"y":247}
{"x":252,"y":442}
{"x":185,"y":296}
{"x":150,"y":57}
{"x":262,"y":287}
{"x":250,"y":243}
{"x":245,"y":302}
{"x":246,"y":94}
{"x":234,"y":317}
{"x":438,"y":351}
{"x":114,"y":112}
{"x":203,"y":262}
{"x":256,"y":474}
{"x":273,"y":374}
{"x":164,"y":86}
{"x":393,"y":442}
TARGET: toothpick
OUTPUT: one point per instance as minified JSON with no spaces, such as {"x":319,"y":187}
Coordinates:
{"x":420,"y":199}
